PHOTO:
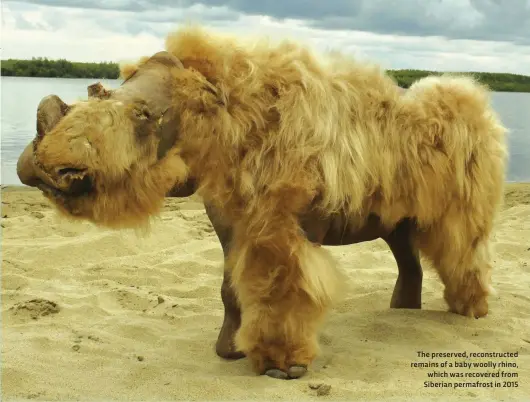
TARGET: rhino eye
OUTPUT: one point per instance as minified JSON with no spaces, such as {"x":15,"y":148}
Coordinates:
{"x":142,"y":114}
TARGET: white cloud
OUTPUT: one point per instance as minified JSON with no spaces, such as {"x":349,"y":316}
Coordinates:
{"x":30,"y":30}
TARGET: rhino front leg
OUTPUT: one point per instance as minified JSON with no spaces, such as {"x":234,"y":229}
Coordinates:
{"x":224,"y":346}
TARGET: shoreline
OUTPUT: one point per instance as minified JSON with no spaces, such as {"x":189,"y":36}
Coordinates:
{"x":510,"y":188}
{"x":514,"y":192}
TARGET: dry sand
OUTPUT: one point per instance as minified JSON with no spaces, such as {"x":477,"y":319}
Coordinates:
{"x":89,"y":314}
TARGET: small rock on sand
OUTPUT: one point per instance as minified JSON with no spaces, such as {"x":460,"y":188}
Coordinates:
{"x":322,"y":389}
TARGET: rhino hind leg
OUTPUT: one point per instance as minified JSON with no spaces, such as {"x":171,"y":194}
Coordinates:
{"x":407,"y":290}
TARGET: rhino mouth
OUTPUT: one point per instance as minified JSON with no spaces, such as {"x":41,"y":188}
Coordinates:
{"x":78,"y":188}
{"x":70,"y":170}
{"x":71,"y":182}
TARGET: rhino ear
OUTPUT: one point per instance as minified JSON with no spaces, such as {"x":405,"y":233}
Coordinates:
{"x":159,"y":59}
{"x":97,"y":90}
{"x":165,"y":58}
{"x":50,"y":111}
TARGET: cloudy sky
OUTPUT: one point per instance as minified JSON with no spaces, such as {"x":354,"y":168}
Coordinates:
{"x":446,"y":35}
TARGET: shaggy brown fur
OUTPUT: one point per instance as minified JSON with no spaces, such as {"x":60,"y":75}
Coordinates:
{"x":270,"y":131}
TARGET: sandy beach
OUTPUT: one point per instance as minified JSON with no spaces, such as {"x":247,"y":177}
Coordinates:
{"x":92,"y":314}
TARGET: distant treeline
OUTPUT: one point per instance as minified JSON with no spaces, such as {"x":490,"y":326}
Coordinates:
{"x":500,"y":82}
{"x":42,"y":67}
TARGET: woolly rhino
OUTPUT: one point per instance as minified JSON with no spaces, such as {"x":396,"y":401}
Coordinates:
{"x":288,"y":155}
{"x":331,"y":230}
